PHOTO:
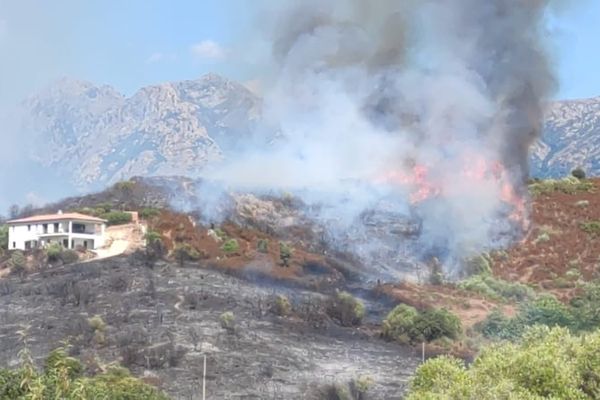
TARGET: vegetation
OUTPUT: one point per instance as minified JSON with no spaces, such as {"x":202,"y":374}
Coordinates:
{"x":55,"y":252}
{"x":117,"y":217}
{"x":481,"y":264}
{"x":547,"y":363}
{"x":497,"y":289}
{"x":17,"y":261}
{"x":185,"y":252}
{"x":407,"y":325}
{"x":262,"y":246}
{"x":285,"y":253}
{"x":578,"y":173}
{"x":62,"y":378}
{"x":581,"y":315}
{"x":3,"y":238}
{"x":282,"y":306}
{"x":231,"y":246}
{"x":591,"y":227}
{"x":149,"y":213}
{"x":568,"y":185}
{"x":346,"y":309}
{"x":227,"y":320}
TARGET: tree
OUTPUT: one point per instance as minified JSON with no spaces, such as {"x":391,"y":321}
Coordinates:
{"x":547,"y":363}
{"x":578,"y":173}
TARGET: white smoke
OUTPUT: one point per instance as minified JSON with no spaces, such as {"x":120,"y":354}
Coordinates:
{"x":367,"y":94}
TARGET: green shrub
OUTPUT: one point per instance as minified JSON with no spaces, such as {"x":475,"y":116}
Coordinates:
{"x":3,"y":238}
{"x":546,"y":364}
{"x":399,"y":323}
{"x":285,"y":253}
{"x":282,"y":306}
{"x":151,"y":237}
{"x":497,"y":289}
{"x":97,"y":323}
{"x":227,"y":320}
{"x":149,"y":213}
{"x":231,"y":246}
{"x":591,"y":227}
{"x":262,"y":246}
{"x":17,"y":261}
{"x":346,"y":309}
{"x":117,"y":218}
{"x":479,"y":265}
{"x":62,"y":378}
{"x":568,"y":185}
{"x":185,"y":252}
{"x":405,"y":324}
{"x":53,"y":252}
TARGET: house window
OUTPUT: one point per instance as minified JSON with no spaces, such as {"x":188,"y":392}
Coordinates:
{"x":28,"y":228}
{"x":78,"y":228}
{"x":45,"y":228}
{"x":56,"y":228}
{"x":65,"y":243}
{"x":14,"y":245}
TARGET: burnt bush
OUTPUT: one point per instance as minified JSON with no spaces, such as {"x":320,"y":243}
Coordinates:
{"x":119,"y":283}
{"x":346,"y":309}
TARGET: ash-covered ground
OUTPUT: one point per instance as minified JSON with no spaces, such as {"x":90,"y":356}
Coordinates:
{"x":161,"y":321}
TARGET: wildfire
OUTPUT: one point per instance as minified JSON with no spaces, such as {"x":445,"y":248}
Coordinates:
{"x":475,"y":171}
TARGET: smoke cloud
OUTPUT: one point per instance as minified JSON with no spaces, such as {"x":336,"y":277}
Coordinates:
{"x":401,"y":112}
{"x":419,"y":109}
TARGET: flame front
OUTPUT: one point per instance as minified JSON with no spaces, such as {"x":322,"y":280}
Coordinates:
{"x":476,"y":171}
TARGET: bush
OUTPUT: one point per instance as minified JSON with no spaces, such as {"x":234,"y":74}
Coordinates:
{"x":230,"y":246}
{"x":479,"y":265}
{"x":406,"y":325}
{"x":17,"y":261}
{"x":53,"y":252}
{"x":591,"y":227}
{"x":399,"y":323}
{"x":578,"y":173}
{"x":545,"y":310}
{"x":69,"y":256}
{"x":568,"y":185}
{"x":262,"y":246}
{"x":282,"y":306}
{"x":151,"y":237}
{"x":346,"y":309}
{"x":117,"y":218}
{"x":185,"y":252}
{"x":3,"y":238}
{"x":62,"y":378}
{"x":227,"y":320}
{"x":285,"y":253}
{"x":148,"y":213}
{"x":493,"y":288}
{"x":547,"y":363}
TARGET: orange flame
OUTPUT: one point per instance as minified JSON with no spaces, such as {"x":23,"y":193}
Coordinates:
{"x":476,"y":170}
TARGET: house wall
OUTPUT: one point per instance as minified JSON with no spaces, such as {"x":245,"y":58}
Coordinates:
{"x":19,"y":234}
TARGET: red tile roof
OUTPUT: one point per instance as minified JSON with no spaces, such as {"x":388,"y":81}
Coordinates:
{"x":56,"y":217}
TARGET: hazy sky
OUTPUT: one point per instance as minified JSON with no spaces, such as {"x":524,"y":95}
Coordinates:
{"x":133,"y":43}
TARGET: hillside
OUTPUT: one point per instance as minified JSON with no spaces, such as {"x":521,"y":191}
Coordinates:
{"x":162,"y":313}
{"x":571,"y":138}
{"x":94,"y":135}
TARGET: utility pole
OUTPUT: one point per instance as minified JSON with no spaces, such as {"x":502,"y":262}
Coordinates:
{"x":204,"y":380}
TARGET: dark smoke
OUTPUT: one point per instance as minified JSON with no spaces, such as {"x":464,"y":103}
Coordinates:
{"x":427,"y":106}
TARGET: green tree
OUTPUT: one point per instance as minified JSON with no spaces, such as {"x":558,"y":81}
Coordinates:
{"x":548,"y":363}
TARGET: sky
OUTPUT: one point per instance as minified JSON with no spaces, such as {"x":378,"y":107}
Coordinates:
{"x":133,"y":43}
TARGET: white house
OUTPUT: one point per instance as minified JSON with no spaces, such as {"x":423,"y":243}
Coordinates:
{"x":71,"y":230}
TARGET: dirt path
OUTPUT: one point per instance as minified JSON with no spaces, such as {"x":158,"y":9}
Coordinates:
{"x":121,"y":239}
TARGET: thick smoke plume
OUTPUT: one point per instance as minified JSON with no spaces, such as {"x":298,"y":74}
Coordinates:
{"x":422,"y":109}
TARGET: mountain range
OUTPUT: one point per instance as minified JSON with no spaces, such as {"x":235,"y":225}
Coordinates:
{"x":93,"y":135}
